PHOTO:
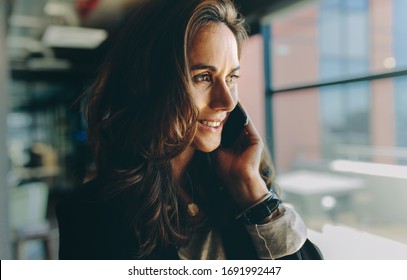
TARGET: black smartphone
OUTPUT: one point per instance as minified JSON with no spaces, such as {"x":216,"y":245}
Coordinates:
{"x":233,"y":127}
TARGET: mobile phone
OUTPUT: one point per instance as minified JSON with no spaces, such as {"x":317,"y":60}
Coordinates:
{"x":233,"y":127}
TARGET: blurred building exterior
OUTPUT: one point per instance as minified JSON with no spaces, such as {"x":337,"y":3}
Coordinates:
{"x":335,"y":82}
{"x":338,"y":86}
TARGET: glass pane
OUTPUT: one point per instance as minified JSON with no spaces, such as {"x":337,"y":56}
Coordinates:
{"x":341,"y":149}
{"x":400,"y":101}
{"x":326,"y":40}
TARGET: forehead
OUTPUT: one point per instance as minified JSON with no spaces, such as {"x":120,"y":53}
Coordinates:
{"x":213,"y":41}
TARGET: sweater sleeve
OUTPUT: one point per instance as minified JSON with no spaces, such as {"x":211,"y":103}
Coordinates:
{"x":282,"y":236}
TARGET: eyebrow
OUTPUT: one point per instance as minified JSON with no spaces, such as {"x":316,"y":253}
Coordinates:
{"x":201,"y":66}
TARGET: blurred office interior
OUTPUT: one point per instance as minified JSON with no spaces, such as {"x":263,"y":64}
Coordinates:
{"x":325,"y":82}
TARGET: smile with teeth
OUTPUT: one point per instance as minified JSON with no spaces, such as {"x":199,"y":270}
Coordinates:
{"x":210,"y":123}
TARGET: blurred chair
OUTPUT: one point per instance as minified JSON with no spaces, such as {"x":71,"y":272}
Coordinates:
{"x":28,"y":216}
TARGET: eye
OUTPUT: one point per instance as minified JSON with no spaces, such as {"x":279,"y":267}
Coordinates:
{"x":231,"y":80}
{"x":204,"y":77}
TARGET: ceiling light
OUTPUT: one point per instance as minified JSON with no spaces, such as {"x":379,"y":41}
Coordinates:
{"x":73,"y":37}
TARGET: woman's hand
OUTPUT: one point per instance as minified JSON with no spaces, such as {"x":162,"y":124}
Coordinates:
{"x":238,"y":167}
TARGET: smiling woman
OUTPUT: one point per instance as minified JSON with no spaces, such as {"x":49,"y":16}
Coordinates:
{"x":164,"y":187}
{"x":215,"y":66}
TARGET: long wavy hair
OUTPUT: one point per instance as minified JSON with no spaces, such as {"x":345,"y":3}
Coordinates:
{"x":140,"y":113}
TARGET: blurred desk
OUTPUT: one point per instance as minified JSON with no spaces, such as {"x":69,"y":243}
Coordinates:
{"x":314,"y":192}
{"x":344,"y":243}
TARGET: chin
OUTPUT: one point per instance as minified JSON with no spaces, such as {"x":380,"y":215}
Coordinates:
{"x":206,"y":146}
{"x":208,"y":150}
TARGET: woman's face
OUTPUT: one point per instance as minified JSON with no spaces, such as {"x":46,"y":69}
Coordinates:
{"x":214,"y":67}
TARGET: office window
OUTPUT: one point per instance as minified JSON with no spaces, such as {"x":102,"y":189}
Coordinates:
{"x":345,"y":116}
{"x":338,"y":97}
{"x":399,"y":32}
{"x":400,"y":101}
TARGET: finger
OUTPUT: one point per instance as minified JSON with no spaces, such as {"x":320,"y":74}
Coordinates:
{"x":251,"y":132}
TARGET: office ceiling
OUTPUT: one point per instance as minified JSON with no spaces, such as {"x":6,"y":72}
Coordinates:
{"x":38,"y":47}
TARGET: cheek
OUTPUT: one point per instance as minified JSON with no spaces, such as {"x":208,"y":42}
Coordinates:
{"x":235,"y":93}
{"x":200,"y":100}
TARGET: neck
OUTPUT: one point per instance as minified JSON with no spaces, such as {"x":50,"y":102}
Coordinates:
{"x":181,"y":162}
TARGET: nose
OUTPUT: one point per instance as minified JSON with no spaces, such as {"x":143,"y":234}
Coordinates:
{"x":222,"y":97}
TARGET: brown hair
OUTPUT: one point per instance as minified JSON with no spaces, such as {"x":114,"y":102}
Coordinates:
{"x":140,"y":114}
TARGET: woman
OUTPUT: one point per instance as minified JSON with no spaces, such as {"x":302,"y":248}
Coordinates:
{"x":164,"y":188}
